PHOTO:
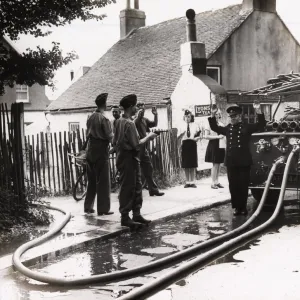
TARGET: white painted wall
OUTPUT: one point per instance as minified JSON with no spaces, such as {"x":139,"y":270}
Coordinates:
{"x":191,"y":91}
{"x":39,"y":122}
{"x":60,"y":121}
{"x":162,"y":117}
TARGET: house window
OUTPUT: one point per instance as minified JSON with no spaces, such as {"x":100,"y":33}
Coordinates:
{"x":249,"y":113}
{"x":22,"y":93}
{"x":214,"y":73}
{"x":73,"y":126}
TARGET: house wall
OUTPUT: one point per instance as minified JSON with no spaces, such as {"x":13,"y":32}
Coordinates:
{"x":37,"y":98}
{"x":260,"y":49}
{"x":60,"y":121}
{"x":189,"y":92}
{"x":38,"y":122}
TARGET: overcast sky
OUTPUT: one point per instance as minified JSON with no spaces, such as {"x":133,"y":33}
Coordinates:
{"x":92,"y":39}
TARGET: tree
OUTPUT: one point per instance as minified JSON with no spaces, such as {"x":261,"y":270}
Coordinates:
{"x":28,"y":17}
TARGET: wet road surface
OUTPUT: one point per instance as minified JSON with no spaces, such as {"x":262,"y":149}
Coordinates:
{"x":135,"y":249}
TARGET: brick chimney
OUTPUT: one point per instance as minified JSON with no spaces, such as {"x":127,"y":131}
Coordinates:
{"x":131,"y":18}
{"x":262,"y":5}
{"x":193,"y":56}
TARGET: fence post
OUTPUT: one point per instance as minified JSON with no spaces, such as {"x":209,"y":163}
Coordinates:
{"x":22,"y":141}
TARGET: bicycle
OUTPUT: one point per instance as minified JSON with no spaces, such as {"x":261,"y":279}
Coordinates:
{"x":80,"y":187}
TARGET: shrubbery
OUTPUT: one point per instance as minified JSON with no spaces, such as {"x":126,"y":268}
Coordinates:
{"x":30,"y":213}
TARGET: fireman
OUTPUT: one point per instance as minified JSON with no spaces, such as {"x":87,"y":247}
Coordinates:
{"x":127,"y":144}
{"x":238,"y":158}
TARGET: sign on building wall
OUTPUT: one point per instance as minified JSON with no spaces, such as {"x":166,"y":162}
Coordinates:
{"x":202,"y":110}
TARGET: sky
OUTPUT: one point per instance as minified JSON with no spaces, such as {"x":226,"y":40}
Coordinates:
{"x":91,"y":39}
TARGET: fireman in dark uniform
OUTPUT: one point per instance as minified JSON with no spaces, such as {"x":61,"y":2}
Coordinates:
{"x":127,"y":144}
{"x":238,"y":158}
{"x":99,"y":135}
{"x":143,"y":126}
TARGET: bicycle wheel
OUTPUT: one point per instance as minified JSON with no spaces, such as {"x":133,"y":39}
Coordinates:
{"x":80,"y":187}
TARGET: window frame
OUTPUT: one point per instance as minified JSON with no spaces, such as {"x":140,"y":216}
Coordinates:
{"x":219,"y":72}
{"x":21,"y":91}
{"x":254,"y":118}
{"x":72,"y":124}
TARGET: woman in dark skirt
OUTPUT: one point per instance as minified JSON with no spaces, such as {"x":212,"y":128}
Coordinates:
{"x":189,"y":158}
{"x":215,"y":152}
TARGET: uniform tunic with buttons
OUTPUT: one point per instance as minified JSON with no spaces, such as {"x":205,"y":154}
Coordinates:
{"x":238,"y":139}
{"x":238,"y":158}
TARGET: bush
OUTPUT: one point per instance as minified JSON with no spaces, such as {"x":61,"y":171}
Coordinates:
{"x":27,"y":214}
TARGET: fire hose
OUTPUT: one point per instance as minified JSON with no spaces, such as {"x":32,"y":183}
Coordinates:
{"x":130,"y":273}
{"x":187,"y":268}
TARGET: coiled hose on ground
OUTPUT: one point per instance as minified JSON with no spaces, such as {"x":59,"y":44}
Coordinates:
{"x":130,"y":273}
{"x":185,"y":269}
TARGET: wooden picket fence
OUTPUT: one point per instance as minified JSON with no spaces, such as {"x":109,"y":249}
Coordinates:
{"x":43,"y":160}
{"x":164,"y":152}
{"x":49,"y":165}
{"x":11,"y":150}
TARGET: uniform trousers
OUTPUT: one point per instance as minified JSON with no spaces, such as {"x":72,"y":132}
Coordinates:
{"x":147,"y":169}
{"x":98,"y":174}
{"x":238,"y":178}
{"x":130,"y":193}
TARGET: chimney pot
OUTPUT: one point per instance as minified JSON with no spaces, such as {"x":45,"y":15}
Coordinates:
{"x":191,"y":32}
{"x":136,"y":4}
{"x":72,"y":75}
{"x":131,"y":19}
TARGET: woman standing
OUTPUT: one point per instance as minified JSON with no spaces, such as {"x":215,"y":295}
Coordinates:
{"x":215,"y":152}
{"x":189,"y":158}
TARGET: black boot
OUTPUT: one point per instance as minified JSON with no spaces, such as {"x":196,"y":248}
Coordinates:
{"x":126,"y":221}
{"x":141,"y":219}
{"x":156,"y":193}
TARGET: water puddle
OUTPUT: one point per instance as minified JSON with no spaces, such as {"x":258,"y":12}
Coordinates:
{"x":136,"y":249}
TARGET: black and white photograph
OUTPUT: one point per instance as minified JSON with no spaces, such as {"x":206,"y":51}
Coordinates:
{"x":149,"y":149}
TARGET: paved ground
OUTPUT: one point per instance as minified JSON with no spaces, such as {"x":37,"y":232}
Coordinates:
{"x":85,"y":229}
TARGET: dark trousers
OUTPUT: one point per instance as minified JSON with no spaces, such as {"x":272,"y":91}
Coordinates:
{"x":238,"y":178}
{"x":147,"y":169}
{"x":130,"y":193}
{"x":98,"y":173}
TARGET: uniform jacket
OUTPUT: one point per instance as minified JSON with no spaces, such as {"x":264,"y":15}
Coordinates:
{"x":143,"y":126}
{"x":100,"y":134}
{"x":237,"y":140}
{"x":126,"y":137}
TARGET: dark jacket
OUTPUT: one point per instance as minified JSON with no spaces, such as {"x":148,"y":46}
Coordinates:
{"x":237,"y":140}
{"x":99,"y":134}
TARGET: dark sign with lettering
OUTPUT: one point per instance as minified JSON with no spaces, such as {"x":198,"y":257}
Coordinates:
{"x":202,"y":110}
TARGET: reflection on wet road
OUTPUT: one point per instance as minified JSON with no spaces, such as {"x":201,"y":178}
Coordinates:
{"x":128,"y":251}
{"x":265,"y":268}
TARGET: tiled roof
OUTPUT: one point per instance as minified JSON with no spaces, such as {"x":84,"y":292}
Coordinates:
{"x":147,"y":62}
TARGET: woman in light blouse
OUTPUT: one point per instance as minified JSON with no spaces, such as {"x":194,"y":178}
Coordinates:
{"x":189,"y":158}
{"x":215,"y":152}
